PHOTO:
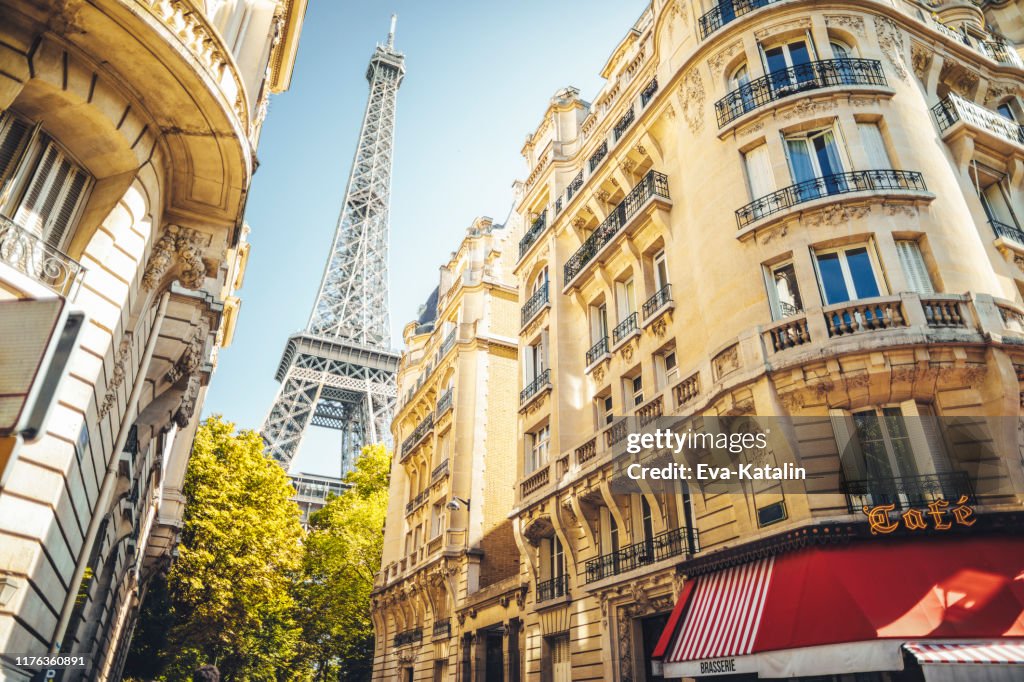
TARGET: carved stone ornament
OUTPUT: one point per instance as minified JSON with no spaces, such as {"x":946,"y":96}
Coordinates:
{"x":890,"y":39}
{"x":802,"y":23}
{"x":691,"y":100}
{"x":807,"y":107}
{"x":627,"y":351}
{"x":774,"y":233}
{"x":727,"y":361}
{"x":602,"y":195}
{"x":183,"y":415}
{"x":124,"y":354}
{"x":921,"y":60}
{"x":853,"y":24}
{"x":659,"y":327}
{"x":723,"y":56}
{"x":598,"y":373}
{"x":177,"y":243}
{"x":190,"y":357}
{"x":837,"y":214}
{"x":628,"y":165}
{"x":640,"y":149}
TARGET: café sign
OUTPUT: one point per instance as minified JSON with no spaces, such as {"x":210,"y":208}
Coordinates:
{"x":939,"y":515}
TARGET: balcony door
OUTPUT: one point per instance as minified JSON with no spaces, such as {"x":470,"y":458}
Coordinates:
{"x":847,"y":274}
{"x":815,"y":164}
{"x":598,"y":322}
{"x":789,"y":66}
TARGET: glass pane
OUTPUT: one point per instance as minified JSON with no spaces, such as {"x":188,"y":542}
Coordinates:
{"x":798,"y":53}
{"x":839,"y":51}
{"x":776,"y":59}
{"x":832,"y":281}
{"x":1005,"y":111}
{"x":786,"y":290}
{"x":861,"y":272}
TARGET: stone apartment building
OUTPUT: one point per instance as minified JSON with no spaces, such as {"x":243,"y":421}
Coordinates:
{"x":447,"y":601}
{"x":785,"y":209}
{"x":128,"y":131}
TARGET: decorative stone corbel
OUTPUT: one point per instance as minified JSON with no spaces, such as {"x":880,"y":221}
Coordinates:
{"x":183,"y":415}
{"x":124,"y":353}
{"x":190,"y":357}
{"x":183,"y":244}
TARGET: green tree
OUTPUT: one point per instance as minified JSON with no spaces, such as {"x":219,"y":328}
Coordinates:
{"x":240,"y":553}
{"x":343,"y":550}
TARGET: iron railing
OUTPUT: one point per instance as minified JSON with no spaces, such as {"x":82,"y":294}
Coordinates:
{"x":444,"y":403}
{"x":1007,"y":231}
{"x":649,"y":91}
{"x":29,"y":254}
{"x":1000,"y":52}
{"x":839,"y":183}
{"x":421,"y":430}
{"x":727,"y":11}
{"x":574,"y":186}
{"x":625,"y":328}
{"x":953,"y":108}
{"x":653,"y":184}
{"x":598,"y":156}
{"x":810,"y":76}
{"x":418,"y":501}
{"x":551,"y":589}
{"x":597,"y":350}
{"x":624,"y":123}
{"x":533,"y":233}
{"x":905,"y":492}
{"x":439,"y":471}
{"x":661,"y":298}
{"x":534,"y":304}
{"x":409,"y":636}
{"x":543,"y":379}
{"x":446,"y":345}
{"x":675,"y":542}
{"x":443,"y":628}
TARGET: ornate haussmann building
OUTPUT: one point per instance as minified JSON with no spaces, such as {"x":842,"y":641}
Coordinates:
{"x":127,"y":145}
{"x":802,"y":210}
{"x":447,"y":601}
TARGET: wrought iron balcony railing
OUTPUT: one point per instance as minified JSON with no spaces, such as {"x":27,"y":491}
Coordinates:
{"x":534,"y":304}
{"x":810,"y":76}
{"x":574,"y":186}
{"x":726,"y":11}
{"x":597,"y":350}
{"x":446,"y":345}
{"x":443,"y":628}
{"x":954,"y":108}
{"x":675,"y":542}
{"x":409,"y":636}
{"x":552,"y":589}
{"x":1007,"y":231}
{"x":533,"y":233}
{"x":625,"y":328}
{"x":416,"y":502}
{"x":654,"y":184}
{"x":1000,"y":52}
{"x":661,"y":298}
{"x":418,"y":434}
{"x":829,"y":185}
{"x":905,"y":492}
{"x":444,"y":403}
{"x":648,"y":93}
{"x":439,"y":471}
{"x":29,"y":254}
{"x":598,"y":156}
{"x":543,"y":379}
{"x":624,"y":123}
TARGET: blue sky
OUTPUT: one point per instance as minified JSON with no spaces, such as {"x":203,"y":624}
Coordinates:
{"x":478,"y":78}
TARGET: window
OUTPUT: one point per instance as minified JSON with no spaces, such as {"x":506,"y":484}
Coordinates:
{"x":561,"y":661}
{"x":760,"y":177}
{"x":874,"y":146}
{"x":660,"y":271}
{"x":779,"y":59}
{"x":666,"y":369}
{"x":740,"y":82}
{"x":840,"y":50}
{"x":992,"y":191}
{"x":914,"y":268}
{"x":556,"y":558}
{"x":42,"y":189}
{"x":540,"y":281}
{"x":783,"y":292}
{"x":647,"y":527}
{"x":436,"y":519}
{"x":635,"y":391}
{"x":605,"y":415}
{"x":537,"y":445}
{"x":598,"y":322}
{"x":815,"y":164}
{"x":847,"y":274}
{"x":625,"y":298}
{"x":535,"y":359}
{"x":1006,"y":111}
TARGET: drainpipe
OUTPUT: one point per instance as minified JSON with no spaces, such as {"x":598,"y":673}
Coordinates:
{"x":109,"y":479}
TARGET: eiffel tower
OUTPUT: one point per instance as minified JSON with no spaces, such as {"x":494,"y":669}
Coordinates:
{"x":339,"y":372}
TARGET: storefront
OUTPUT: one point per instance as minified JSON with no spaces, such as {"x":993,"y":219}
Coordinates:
{"x":931,"y":608}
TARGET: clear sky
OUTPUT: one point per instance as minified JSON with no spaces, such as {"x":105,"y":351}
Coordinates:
{"x":478,"y":78}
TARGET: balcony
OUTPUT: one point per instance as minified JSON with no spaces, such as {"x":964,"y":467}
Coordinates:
{"x":598,"y":156}
{"x":998,"y":51}
{"x":586,"y":452}
{"x":440,"y":471}
{"x":787,"y":333}
{"x":598,"y":351}
{"x":671,"y":543}
{"x":687,"y":389}
{"x":552,"y":589}
{"x":727,"y":11}
{"x":623,"y":124}
{"x":625,"y":329}
{"x":30,"y":255}
{"x":828,"y":186}
{"x":826,"y":73}
{"x":533,"y":233}
{"x":534,"y":305}
{"x":417,"y":435}
{"x":853,"y":317}
{"x":661,"y":300}
{"x":443,"y":628}
{"x":651,"y":411}
{"x":409,"y":637}
{"x":533,"y":389}
{"x":416,"y":502}
{"x":536,"y":481}
{"x":446,"y":345}
{"x":444,"y":403}
{"x":616,"y":433}
{"x":1004,"y":231}
{"x":574,"y":186}
{"x":953,"y":109}
{"x":648,"y":93}
{"x":905,"y":492}
{"x":654,"y":185}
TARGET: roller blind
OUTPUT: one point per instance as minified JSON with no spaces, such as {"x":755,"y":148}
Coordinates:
{"x":914,"y":267}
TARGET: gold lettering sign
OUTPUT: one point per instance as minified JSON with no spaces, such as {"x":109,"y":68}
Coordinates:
{"x":915,"y":519}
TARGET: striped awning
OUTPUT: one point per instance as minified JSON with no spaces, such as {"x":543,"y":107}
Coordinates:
{"x":990,"y":653}
{"x":725,"y":615}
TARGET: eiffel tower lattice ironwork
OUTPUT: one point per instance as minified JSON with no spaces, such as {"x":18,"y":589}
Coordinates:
{"x":339,"y":372}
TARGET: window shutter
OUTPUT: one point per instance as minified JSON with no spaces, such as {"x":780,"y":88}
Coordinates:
{"x":31,"y":213}
{"x":14,"y":136}
{"x":849,"y":449}
{"x":913,"y":267}
{"x":925,"y":437}
{"x":63,"y":213}
{"x":759,"y":171}
{"x":874,"y":145}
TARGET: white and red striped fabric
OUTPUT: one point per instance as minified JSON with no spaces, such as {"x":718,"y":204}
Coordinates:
{"x":724,"y":614}
{"x":991,"y":653}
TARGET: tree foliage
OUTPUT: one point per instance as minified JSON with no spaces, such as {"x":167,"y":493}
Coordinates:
{"x":240,"y":553}
{"x":343,"y":550}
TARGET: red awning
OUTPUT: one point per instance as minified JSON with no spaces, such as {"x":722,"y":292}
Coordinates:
{"x":881,"y":591}
{"x":990,"y":653}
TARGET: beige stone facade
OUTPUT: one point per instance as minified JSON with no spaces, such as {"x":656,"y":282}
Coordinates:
{"x":446,"y":603}
{"x":836,"y":241}
{"x":128,"y":131}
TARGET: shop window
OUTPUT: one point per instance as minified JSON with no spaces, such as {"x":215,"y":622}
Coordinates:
{"x":847,"y":274}
{"x":914,"y":268}
{"x":42,"y":189}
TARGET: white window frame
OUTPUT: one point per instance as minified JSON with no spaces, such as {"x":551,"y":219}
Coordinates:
{"x":771,"y":284}
{"x":876,"y":269}
{"x":660,"y":271}
{"x":915,"y":267}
